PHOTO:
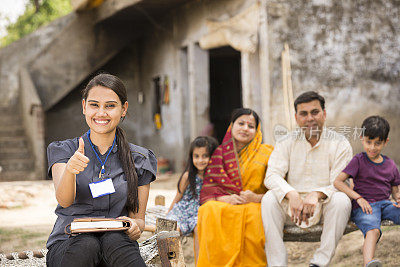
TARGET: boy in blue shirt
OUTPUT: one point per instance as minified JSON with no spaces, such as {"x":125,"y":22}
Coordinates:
{"x":375,"y":177}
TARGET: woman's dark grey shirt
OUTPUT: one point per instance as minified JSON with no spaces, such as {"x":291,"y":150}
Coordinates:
{"x":109,"y":206}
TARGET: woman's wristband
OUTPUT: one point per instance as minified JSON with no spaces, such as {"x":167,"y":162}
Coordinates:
{"x":358,"y":198}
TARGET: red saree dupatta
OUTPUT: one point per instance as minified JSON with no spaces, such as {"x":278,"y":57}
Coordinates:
{"x":222,"y":176}
{"x":229,"y":172}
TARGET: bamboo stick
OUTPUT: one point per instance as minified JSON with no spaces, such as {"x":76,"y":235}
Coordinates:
{"x":285,"y":88}
{"x":290,"y":89}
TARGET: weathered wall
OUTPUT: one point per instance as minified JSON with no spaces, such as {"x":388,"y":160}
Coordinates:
{"x":19,"y":97}
{"x":349,"y":51}
{"x":20,"y":53}
{"x":65,"y":120}
{"x":166,"y":49}
{"x":80,"y":48}
{"x":163,"y":51}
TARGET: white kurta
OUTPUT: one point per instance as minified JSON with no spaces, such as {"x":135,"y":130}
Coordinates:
{"x":296,"y":165}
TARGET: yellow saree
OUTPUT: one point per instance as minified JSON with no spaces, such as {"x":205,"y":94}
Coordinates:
{"x":233,"y":235}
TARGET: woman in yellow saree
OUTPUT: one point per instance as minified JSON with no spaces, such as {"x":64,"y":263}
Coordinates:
{"x":229,"y":220}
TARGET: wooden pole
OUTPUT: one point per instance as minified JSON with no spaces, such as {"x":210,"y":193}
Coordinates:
{"x":159,"y":200}
{"x":170,"y":249}
{"x":285,"y":88}
{"x":290,"y":89}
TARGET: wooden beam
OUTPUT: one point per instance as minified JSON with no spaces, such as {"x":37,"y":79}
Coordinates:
{"x":159,"y":200}
{"x":170,"y":250}
{"x":293,"y":233}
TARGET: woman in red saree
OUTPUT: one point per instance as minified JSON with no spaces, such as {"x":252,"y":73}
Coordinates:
{"x":229,"y":219}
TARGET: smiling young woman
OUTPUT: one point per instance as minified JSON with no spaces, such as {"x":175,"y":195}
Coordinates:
{"x":103,"y":111}
{"x":100,"y":174}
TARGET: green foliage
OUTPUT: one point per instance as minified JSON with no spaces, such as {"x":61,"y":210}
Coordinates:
{"x":32,"y":20}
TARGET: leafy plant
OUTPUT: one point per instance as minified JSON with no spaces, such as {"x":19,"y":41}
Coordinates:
{"x":37,"y":13}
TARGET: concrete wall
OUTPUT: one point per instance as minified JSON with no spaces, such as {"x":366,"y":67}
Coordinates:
{"x":65,"y":120}
{"x":32,"y":116}
{"x":349,"y":51}
{"x":18,"y":54}
{"x":17,"y":92}
{"x":171,"y":48}
{"x":79,"y":49}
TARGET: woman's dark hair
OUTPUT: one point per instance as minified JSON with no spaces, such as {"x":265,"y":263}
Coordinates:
{"x":307,"y":97}
{"x":124,"y":153}
{"x":202,"y":141}
{"x":376,"y":126}
{"x":244,"y":111}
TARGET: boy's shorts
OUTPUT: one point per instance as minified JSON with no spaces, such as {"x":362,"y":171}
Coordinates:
{"x":381,"y":210}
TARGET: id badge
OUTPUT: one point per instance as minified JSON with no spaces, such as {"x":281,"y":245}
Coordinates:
{"x":102,"y":188}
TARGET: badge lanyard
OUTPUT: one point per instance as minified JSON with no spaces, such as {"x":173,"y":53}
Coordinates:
{"x":101,"y":174}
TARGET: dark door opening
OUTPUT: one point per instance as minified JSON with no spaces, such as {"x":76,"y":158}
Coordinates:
{"x":225,"y":87}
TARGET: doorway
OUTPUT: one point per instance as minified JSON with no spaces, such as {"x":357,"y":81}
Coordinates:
{"x":225,"y":87}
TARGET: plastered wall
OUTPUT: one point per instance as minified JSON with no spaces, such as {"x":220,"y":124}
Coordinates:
{"x":348,"y":51}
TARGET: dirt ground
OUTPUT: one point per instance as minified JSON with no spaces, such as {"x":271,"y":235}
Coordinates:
{"x":27,"y":217}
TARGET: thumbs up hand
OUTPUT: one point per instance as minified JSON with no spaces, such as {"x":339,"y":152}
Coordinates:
{"x":78,"y":162}
{"x":81,"y":147}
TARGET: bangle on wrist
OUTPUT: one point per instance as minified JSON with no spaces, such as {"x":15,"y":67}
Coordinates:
{"x":358,"y":198}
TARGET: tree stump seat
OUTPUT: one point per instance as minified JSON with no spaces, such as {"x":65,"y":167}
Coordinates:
{"x":294,"y":233}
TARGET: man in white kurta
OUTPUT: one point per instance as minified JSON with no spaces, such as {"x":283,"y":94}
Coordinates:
{"x":300,"y":176}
